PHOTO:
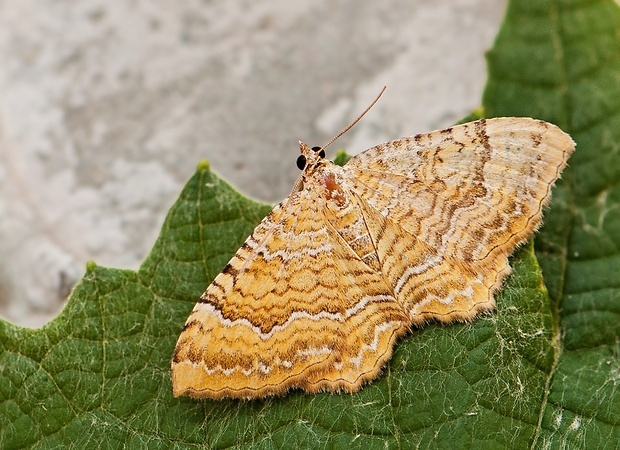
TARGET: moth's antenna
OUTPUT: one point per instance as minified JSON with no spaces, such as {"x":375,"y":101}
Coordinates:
{"x":348,"y":127}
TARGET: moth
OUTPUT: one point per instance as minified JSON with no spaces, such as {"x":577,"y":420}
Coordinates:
{"x":414,"y":230}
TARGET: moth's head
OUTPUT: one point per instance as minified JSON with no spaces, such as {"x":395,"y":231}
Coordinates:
{"x":310,"y":157}
{"x":324,"y":178}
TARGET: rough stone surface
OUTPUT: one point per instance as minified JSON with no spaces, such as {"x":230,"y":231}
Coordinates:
{"x":106,"y":108}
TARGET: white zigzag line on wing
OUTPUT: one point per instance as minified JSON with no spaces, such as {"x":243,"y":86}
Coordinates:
{"x":357,"y":361}
{"x":310,"y":351}
{"x":293,"y":317}
{"x":296,"y":234}
{"x":468,"y":292}
{"x":428,"y":262}
{"x":287,"y":255}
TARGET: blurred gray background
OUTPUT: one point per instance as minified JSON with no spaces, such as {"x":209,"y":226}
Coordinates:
{"x":107,"y":107}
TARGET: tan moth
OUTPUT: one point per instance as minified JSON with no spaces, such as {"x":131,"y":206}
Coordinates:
{"x":416,"y":229}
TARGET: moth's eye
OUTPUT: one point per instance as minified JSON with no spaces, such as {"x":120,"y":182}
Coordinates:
{"x":320,"y":150}
{"x":301,"y":162}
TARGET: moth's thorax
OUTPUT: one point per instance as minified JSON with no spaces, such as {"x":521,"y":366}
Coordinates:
{"x":322,"y":176}
{"x":328,"y":183}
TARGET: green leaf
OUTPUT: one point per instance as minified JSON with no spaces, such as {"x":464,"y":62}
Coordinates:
{"x":535,"y":373}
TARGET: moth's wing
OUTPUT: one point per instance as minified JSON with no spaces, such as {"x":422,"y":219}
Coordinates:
{"x":470,"y":193}
{"x":295,"y":307}
{"x":429,"y":286}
